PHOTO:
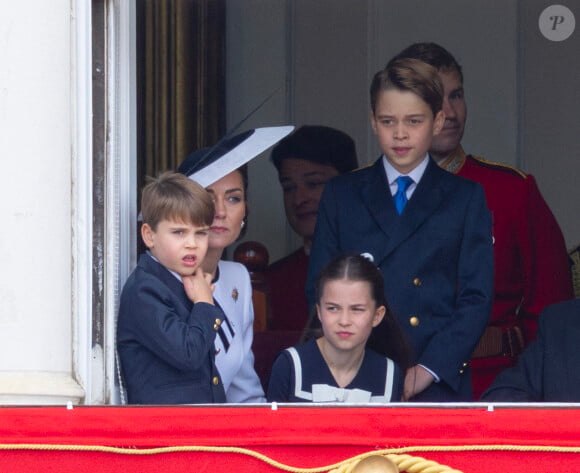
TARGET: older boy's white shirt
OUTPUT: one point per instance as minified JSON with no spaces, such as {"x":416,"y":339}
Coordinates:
{"x":416,"y":174}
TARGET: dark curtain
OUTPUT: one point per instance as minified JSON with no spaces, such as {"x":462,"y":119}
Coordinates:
{"x":180,"y":80}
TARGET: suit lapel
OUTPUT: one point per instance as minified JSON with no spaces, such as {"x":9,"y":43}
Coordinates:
{"x":151,"y":266}
{"x":377,"y":198}
{"x":426,"y":199}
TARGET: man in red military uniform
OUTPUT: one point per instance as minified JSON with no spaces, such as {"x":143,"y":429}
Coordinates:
{"x":532,"y":269}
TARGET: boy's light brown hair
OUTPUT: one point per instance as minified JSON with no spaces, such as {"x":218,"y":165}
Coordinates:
{"x":410,"y":75}
{"x":173,"y":196}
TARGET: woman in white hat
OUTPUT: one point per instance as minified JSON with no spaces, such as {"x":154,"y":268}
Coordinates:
{"x":222,"y":171}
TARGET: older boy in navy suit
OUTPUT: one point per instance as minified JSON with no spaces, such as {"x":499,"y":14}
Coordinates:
{"x":530,"y":258}
{"x":427,"y":230}
{"x":167,"y":317}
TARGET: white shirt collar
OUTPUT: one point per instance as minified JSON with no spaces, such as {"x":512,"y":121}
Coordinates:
{"x":172,"y":272}
{"x":416,"y":174}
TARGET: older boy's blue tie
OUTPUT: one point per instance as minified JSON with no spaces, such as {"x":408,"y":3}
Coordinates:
{"x":403,"y":182}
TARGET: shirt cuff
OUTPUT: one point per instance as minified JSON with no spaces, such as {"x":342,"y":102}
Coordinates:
{"x":436,"y":378}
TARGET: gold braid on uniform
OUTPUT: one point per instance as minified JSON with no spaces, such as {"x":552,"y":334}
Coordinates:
{"x":495,"y":164}
{"x":455,"y":161}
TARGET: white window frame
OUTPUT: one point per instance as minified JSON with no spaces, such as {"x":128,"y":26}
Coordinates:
{"x":94,"y":367}
{"x":121,"y":183}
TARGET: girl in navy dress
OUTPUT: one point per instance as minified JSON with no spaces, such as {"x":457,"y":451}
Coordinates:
{"x":338,"y":366}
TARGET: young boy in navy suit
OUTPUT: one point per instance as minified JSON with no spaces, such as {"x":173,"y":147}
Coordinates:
{"x":427,"y":230}
{"x":167,"y":318}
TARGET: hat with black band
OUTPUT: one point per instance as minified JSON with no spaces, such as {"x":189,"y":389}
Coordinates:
{"x":208,"y":165}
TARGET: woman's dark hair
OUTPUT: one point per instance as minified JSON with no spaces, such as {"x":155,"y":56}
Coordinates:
{"x":354,"y":267}
{"x":317,"y":144}
{"x":243,"y":170}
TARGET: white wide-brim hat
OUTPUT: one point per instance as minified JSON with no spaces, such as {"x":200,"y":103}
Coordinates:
{"x":208,"y":165}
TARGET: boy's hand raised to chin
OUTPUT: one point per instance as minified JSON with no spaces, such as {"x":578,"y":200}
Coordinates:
{"x":198,"y":287}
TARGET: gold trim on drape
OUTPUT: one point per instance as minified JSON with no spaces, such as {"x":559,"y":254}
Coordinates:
{"x":180,"y":67}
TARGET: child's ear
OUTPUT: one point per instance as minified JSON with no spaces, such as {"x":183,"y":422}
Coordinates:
{"x":379,"y":315}
{"x":147,"y":235}
{"x":318,"y":311}
{"x":438,"y":122}
{"x":373,"y":122}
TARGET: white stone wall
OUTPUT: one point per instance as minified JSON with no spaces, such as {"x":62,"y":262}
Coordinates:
{"x":36,"y":327}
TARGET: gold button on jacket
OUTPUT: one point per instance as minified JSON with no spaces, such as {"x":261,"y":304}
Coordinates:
{"x":414,"y":321}
{"x":215,"y":380}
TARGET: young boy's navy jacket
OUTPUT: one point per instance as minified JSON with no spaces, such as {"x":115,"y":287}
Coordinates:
{"x":436,"y":259}
{"x":165,"y":342}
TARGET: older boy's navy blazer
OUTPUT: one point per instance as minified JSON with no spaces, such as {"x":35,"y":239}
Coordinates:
{"x":165,"y":342}
{"x":436,"y":259}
